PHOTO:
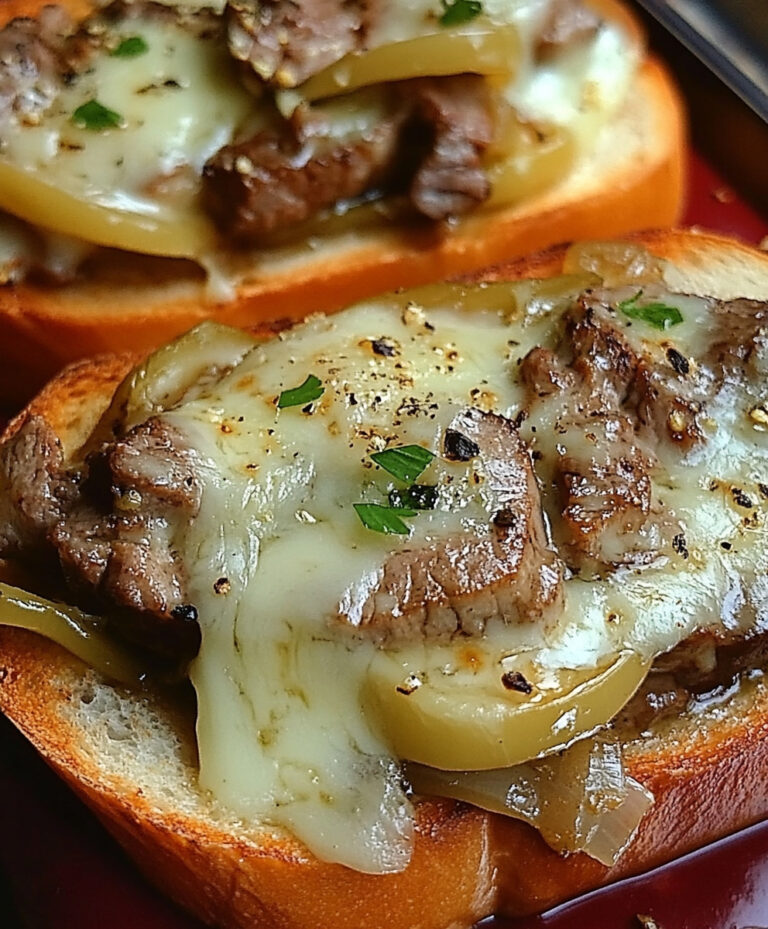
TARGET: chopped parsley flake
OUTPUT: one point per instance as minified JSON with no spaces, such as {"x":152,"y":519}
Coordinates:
{"x":656,"y":314}
{"x":405,"y":463}
{"x":96,"y":117}
{"x":307,"y":392}
{"x":386,"y":519}
{"x":456,"y":12}
{"x":416,"y":497}
{"x":131,"y":47}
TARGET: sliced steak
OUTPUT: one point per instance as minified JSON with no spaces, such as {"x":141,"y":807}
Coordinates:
{"x":33,"y":62}
{"x":669,"y":406}
{"x":456,"y":110}
{"x":109,"y":527}
{"x":630,"y":404}
{"x":36,"y":488}
{"x":458,"y":585}
{"x":657,"y":387}
{"x":430,"y":138}
{"x":40,"y":56}
{"x":606,"y":402}
{"x":153,"y":464}
{"x":603,"y":478}
{"x":276,"y":180}
{"x":740,"y":337}
{"x":705,"y":662}
{"x":287,"y":41}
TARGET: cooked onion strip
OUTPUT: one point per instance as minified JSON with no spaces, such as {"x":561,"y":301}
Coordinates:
{"x":579,"y":800}
{"x":534,"y":297}
{"x":617,"y":263}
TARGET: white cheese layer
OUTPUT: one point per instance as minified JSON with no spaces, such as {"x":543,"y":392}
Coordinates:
{"x":287,"y":732}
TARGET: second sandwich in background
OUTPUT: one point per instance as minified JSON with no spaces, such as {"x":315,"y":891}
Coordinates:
{"x":258,"y":161}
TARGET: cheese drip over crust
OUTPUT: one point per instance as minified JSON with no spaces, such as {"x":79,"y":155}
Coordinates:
{"x":291,"y":730}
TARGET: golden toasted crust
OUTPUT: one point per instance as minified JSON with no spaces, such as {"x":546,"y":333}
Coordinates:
{"x":635,"y":181}
{"x":13,"y":8}
{"x":709,"y":775}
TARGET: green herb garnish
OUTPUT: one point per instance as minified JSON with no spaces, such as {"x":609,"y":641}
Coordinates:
{"x":405,"y":463}
{"x":387,"y":519}
{"x":656,"y":314}
{"x":131,"y":47}
{"x":457,"y":12}
{"x":415,"y":497}
{"x":310,"y":390}
{"x":94,"y":116}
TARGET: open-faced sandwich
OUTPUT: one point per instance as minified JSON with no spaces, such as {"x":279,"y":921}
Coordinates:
{"x":469,"y":583}
{"x":259,"y":159}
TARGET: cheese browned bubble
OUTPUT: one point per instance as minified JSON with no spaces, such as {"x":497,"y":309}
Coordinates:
{"x":301,"y":721}
{"x":135,"y":183}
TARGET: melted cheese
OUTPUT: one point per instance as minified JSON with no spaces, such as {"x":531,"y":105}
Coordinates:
{"x":288,"y":732}
{"x":177,"y":104}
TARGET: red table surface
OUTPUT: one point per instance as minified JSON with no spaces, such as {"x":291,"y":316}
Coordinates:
{"x":59,"y":870}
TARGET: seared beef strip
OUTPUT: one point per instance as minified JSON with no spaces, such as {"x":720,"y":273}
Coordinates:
{"x":667,"y":402}
{"x":605,"y":494}
{"x":432,"y":138}
{"x":628,"y":403}
{"x":287,"y":41}
{"x":275,"y":179}
{"x":599,"y":388}
{"x":458,"y":585}
{"x":33,"y":62}
{"x":451,"y":180}
{"x":108,"y":526}
{"x":37,"y":490}
{"x":740,"y":336}
{"x":699,"y":666}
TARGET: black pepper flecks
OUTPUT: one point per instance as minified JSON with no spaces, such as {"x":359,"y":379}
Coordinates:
{"x":411,"y":684}
{"x":740,"y":498}
{"x":679,"y":362}
{"x":384,"y":346}
{"x":458,"y":447}
{"x":514,"y":680}
{"x":679,"y":545}
{"x":186,"y":612}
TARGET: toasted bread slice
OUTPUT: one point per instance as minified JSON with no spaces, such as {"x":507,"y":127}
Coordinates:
{"x":131,"y":756}
{"x":632,"y":179}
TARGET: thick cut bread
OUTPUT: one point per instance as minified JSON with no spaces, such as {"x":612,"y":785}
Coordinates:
{"x":132,"y":757}
{"x":633,"y":179}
